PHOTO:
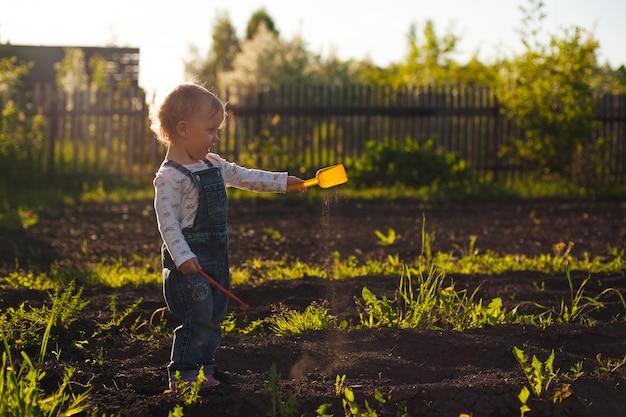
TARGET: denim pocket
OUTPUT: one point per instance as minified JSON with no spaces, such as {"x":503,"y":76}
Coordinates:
{"x":217,"y":202}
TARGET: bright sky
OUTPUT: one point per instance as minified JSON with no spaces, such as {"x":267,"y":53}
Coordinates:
{"x":350,"y":28}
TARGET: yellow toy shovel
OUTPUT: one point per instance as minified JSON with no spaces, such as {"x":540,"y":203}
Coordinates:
{"x":325,"y":178}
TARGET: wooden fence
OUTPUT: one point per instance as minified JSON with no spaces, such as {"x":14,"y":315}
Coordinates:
{"x":304,"y":126}
{"x":300,"y":128}
{"x":98,"y":132}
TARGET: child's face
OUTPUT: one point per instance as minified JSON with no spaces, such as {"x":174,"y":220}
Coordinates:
{"x":202,"y":133}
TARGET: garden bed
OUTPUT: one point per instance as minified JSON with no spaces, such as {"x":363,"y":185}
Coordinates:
{"x":431,"y":372}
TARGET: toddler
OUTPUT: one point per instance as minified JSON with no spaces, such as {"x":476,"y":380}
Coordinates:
{"x":191,"y":211}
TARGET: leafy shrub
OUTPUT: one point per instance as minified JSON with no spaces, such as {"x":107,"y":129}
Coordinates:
{"x":21,"y":135}
{"x":413,"y":163}
{"x":549,"y":92}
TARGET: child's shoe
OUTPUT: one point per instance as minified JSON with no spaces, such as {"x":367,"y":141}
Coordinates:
{"x":209,"y":382}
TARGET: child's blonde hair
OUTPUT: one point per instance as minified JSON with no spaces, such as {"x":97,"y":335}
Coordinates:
{"x":180,"y":104}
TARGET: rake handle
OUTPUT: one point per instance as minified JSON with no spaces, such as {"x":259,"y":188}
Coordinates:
{"x":224,"y":290}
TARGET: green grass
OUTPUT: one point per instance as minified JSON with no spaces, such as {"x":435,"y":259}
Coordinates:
{"x":288,"y":322}
{"x":118,"y":272}
{"x":20,"y":391}
{"x":21,"y":394}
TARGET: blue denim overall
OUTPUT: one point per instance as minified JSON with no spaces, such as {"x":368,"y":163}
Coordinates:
{"x":192,"y":298}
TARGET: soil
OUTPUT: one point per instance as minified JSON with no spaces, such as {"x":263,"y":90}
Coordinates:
{"x":430,"y":372}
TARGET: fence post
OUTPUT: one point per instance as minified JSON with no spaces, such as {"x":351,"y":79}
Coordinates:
{"x":497,"y":130}
{"x":50,"y":110}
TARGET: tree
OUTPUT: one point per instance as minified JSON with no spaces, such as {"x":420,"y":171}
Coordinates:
{"x":266,"y":60}
{"x":258,"y":19}
{"x":429,"y":62}
{"x":547,"y":92}
{"x":224,"y":48}
{"x":263,"y":58}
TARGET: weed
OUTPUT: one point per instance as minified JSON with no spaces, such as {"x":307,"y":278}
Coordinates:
{"x":252,"y":327}
{"x":29,"y":280}
{"x":426,"y":253}
{"x":21,"y":394}
{"x":176,"y":412}
{"x":159,"y":330}
{"x":608,"y":367}
{"x":429,"y":304}
{"x":280,"y":408}
{"x":576,"y":371}
{"x":261,"y":270}
{"x":23,"y":327}
{"x":314,"y":317}
{"x":539,"y":374}
{"x":389,"y":239}
{"x":239,"y":276}
{"x":345,"y":268}
{"x":289,"y":407}
{"x":274,"y":234}
{"x":458,"y":310}
{"x":394,"y":260}
{"x":523,"y":398}
{"x":189,"y":391}
{"x":377,"y":312}
{"x":471,"y":249}
{"x":562,"y":250}
{"x":116,"y":273}
{"x":352,"y":409}
{"x":99,"y":357}
{"x":579,"y":306}
{"x":544,"y":382}
{"x":229,"y":324}
{"x":116,"y":319}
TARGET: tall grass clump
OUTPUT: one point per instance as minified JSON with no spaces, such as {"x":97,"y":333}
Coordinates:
{"x":24,"y":326}
{"x":288,"y":322}
{"x":20,"y":392}
{"x":428,"y":303}
{"x":578,"y":308}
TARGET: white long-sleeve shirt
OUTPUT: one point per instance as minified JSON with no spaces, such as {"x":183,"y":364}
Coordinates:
{"x":176,"y":198}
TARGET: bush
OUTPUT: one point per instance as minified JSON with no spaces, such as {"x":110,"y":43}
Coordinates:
{"x":21,"y":147}
{"x":21,"y":135}
{"x":412,"y":163}
{"x":548,"y":91}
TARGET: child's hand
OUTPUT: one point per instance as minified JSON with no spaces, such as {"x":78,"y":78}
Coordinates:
{"x":294,"y":185}
{"x":190,"y":267}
